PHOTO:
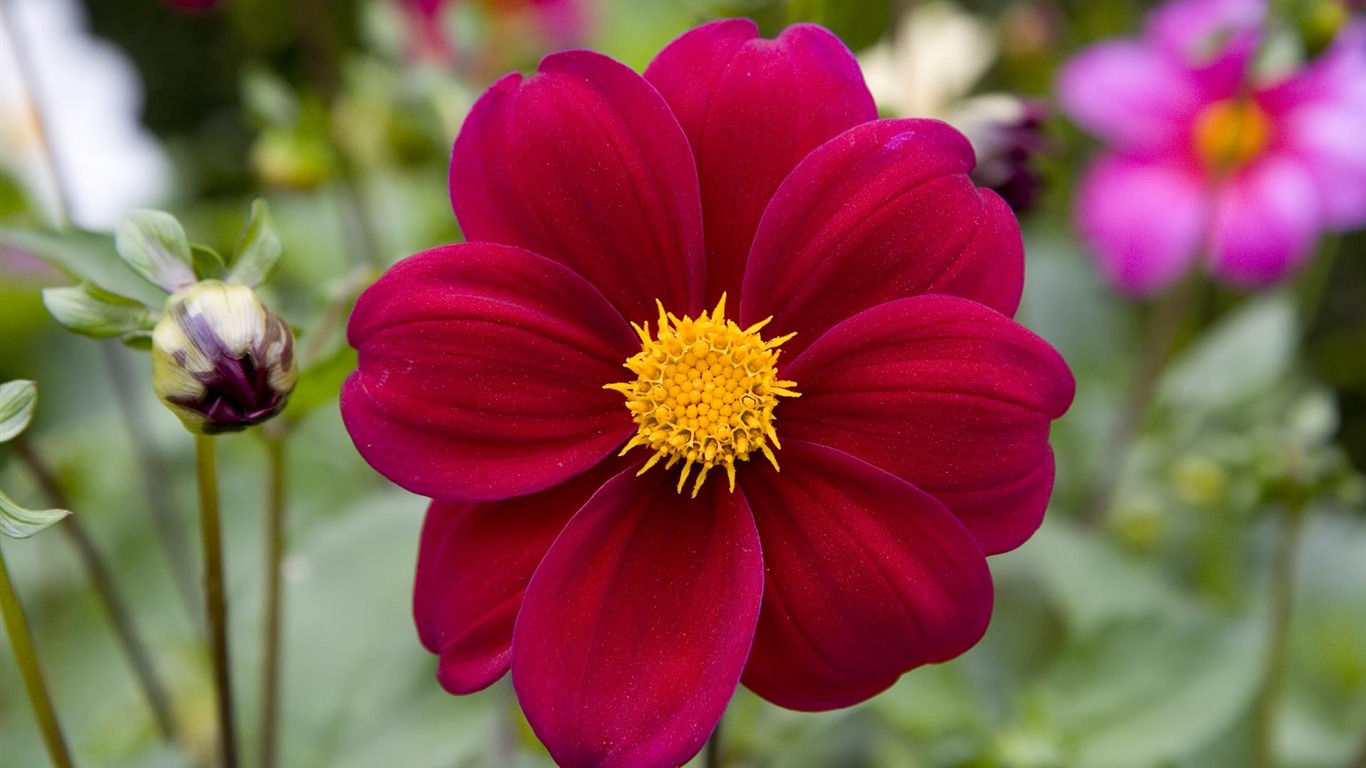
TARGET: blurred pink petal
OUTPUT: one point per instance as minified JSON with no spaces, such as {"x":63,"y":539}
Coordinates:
{"x":1131,"y":96}
{"x":1145,"y":219}
{"x":1265,"y":223}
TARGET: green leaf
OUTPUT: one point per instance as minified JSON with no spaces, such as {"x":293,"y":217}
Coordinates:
{"x":85,"y":256}
{"x":208,"y":265}
{"x":18,"y":399}
{"x":93,"y":311}
{"x":320,"y":383}
{"x":259,"y":249}
{"x":1147,"y":694}
{"x":153,"y":243}
{"x":1095,"y":584}
{"x":1243,"y":356}
{"x":18,"y":522}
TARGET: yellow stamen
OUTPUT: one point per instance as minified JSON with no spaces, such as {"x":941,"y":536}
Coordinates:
{"x":704,"y":393}
{"x":1231,"y":133}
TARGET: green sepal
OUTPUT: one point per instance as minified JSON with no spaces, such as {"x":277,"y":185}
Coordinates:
{"x":208,"y":265}
{"x":19,"y":522}
{"x":86,"y":257}
{"x":259,"y":249}
{"x":92,"y":311}
{"x":17,"y":402}
{"x":154,"y":244}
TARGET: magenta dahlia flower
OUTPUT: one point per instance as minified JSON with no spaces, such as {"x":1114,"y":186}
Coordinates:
{"x":1206,"y":162}
{"x":598,"y":397}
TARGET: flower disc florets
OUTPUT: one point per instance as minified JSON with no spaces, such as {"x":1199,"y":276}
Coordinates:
{"x":704,"y":393}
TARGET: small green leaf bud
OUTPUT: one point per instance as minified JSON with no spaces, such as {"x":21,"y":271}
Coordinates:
{"x":222,"y":361}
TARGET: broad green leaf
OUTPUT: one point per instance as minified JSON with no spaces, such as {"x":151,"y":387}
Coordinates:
{"x":1149,"y":693}
{"x":19,"y":522}
{"x":208,"y":265}
{"x":85,"y":256}
{"x":320,"y":383}
{"x":18,"y":399}
{"x":92,"y":311}
{"x":1095,"y":583}
{"x":153,"y":243}
{"x":259,"y":249}
{"x":1244,"y":355}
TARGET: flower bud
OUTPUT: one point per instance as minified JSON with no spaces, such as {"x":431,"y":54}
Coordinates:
{"x":222,"y":361}
{"x":1006,"y":133}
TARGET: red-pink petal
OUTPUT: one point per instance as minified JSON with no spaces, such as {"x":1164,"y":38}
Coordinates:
{"x":882,"y":212}
{"x":867,"y":578}
{"x":473,"y":565}
{"x":584,"y":163}
{"x":634,"y":630}
{"x":752,"y":109}
{"x":481,"y":373}
{"x":948,"y":395}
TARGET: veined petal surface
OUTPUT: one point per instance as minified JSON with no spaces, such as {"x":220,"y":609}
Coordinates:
{"x":473,"y":565}
{"x":635,"y":628}
{"x":883,"y":211}
{"x":867,"y":578}
{"x":480,"y":373}
{"x":584,"y":163}
{"x":752,"y":109}
{"x":946,"y":394}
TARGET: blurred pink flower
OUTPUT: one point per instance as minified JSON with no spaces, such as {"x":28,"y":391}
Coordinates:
{"x":1205,"y":161}
{"x":562,"y":22}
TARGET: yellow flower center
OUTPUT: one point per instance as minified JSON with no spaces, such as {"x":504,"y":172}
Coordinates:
{"x":704,"y":393}
{"x":1230,"y":133}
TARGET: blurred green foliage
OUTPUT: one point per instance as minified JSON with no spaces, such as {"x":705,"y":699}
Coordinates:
{"x":1136,"y":642}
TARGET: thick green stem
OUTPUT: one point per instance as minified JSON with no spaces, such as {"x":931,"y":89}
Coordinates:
{"x":103,"y":581}
{"x":215,"y":601}
{"x":1282,"y":604}
{"x":1163,"y":331}
{"x":21,"y":640}
{"x":711,"y":754}
{"x":275,"y":552}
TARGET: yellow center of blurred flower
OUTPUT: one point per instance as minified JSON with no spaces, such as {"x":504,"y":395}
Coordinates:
{"x":704,"y":393}
{"x":1230,"y":133}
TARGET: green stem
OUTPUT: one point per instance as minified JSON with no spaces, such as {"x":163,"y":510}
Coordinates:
{"x":1282,"y":604}
{"x":1164,"y":329}
{"x":103,"y":582}
{"x":21,"y":640}
{"x":275,"y":550}
{"x":215,"y":602}
{"x":711,"y":755}
{"x":153,"y":476}
{"x":164,"y":519}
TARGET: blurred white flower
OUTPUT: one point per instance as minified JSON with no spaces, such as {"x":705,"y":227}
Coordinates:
{"x":90,"y":98}
{"x":936,"y":55}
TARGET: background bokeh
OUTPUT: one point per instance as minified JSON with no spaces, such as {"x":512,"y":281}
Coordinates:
{"x":1132,"y":638}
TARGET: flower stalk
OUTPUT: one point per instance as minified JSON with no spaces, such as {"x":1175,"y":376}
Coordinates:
{"x":102,"y":580}
{"x":275,"y":550}
{"x":1164,"y":330}
{"x":711,"y":754}
{"x":215,"y":601}
{"x":158,"y":500}
{"x":21,"y":640}
{"x":1282,"y":596}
